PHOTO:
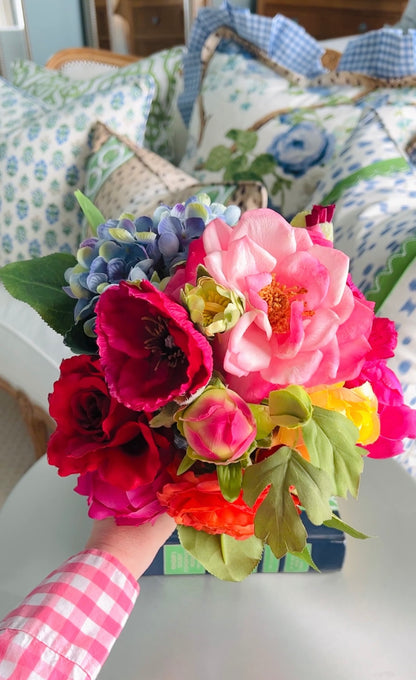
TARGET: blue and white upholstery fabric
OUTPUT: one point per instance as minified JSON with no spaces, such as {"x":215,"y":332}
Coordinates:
{"x":282,"y":39}
{"x":385,"y":53}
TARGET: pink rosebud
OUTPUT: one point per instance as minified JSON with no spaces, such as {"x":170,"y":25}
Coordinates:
{"x":218,"y":426}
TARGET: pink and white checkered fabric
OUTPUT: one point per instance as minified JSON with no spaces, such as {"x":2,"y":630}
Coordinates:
{"x":65,"y":628}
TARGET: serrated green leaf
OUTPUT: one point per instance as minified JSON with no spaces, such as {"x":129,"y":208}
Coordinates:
{"x":277,"y":521}
{"x":218,"y":158}
{"x":230,"y":478}
{"x":39,"y":283}
{"x":223,"y":556}
{"x":330,"y":438}
{"x":93,"y":216}
{"x":337,"y":523}
{"x":78,"y":342}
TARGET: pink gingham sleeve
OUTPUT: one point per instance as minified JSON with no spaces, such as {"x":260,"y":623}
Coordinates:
{"x":65,"y":628}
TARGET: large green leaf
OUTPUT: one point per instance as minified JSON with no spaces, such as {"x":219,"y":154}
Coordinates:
{"x":330,"y":438}
{"x":223,"y":556}
{"x":39,"y":283}
{"x":277,"y":521}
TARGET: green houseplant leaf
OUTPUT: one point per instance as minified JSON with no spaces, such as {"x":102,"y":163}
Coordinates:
{"x":223,"y":556}
{"x":330,"y":438}
{"x":277,"y":521}
{"x":39,"y":282}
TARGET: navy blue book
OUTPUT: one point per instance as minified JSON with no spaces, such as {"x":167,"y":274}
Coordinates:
{"x":326,"y":545}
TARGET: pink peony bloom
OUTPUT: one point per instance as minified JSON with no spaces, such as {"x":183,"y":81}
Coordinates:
{"x":302,"y":323}
{"x":218,"y":426}
{"x":150,"y":350}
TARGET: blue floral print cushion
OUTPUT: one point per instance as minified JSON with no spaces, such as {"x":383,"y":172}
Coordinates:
{"x":372,"y":183}
{"x":57,"y":89}
{"x":16,"y":106}
{"x":251,"y":123}
{"x":43,"y":162}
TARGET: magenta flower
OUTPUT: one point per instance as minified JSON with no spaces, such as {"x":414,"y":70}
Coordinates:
{"x":131,"y":506}
{"x":302,"y":323}
{"x":218,"y":426}
{"x":397,"y":420}
{"x":150,"y":350}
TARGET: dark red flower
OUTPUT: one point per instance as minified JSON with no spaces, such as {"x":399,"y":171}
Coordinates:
{"x":95,"y":432}
{"x":150,"y":350}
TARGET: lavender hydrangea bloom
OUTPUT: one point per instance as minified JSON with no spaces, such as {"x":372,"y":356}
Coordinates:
{"x":134,"y":249}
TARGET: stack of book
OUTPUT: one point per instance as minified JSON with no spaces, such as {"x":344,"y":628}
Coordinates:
{"x":326,"y":545}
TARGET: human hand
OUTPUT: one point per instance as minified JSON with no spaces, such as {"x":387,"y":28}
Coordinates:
{"x":134,"y":546}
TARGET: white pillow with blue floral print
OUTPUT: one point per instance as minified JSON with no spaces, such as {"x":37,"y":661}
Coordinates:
{"x":373,"y":187}
{"x":16,"y":106}
{"x":56,"y":89}
{"x":43,"y":163}
{"x":250,"y":123}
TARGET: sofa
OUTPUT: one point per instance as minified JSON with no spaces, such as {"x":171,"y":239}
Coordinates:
{"x":253,"y":111}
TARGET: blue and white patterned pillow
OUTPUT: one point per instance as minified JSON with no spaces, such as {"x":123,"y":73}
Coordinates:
{"x":16,"y":106}
{"x":373,"y":186}
{"x":56,"y":90}
{"x":43,"y":163}
{"x":251,"y":123}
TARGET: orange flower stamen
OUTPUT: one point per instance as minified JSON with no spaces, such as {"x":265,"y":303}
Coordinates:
{"x":279,"y":298}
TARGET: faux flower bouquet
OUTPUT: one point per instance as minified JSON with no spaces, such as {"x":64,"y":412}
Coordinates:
{"x":227,"y":372}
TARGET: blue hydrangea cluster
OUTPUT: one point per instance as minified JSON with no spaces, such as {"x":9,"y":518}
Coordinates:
{"x":131,"y":249}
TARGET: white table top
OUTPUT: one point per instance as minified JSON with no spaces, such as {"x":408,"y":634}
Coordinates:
{"x":357,"y":624}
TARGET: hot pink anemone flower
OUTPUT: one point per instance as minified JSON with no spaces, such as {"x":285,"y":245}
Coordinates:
{"x":302,"y":323}
{"x":150,"y":350}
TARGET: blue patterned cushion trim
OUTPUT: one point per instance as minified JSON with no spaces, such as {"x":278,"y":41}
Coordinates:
{"x":386,"y":53}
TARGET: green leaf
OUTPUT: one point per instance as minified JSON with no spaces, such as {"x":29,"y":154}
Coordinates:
{"x":244,"y":140}
{"x":290,"y":407}
{"x":185,"y":464}
{"x":337,"y":523}
{"x":264,"y":424}
{"x":78,"y":342}
{"x":223,"y":556}
{"x":39,"y":282}
{"x":277,"y":521}
{"x":330,"y":439}
{"x":263,"y":164}
{"x":234,"y":166}
{"x":306,"y":556}
{"x":230,"y":478}
{"x":93,"y":215}
{"x":218,"y":158}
